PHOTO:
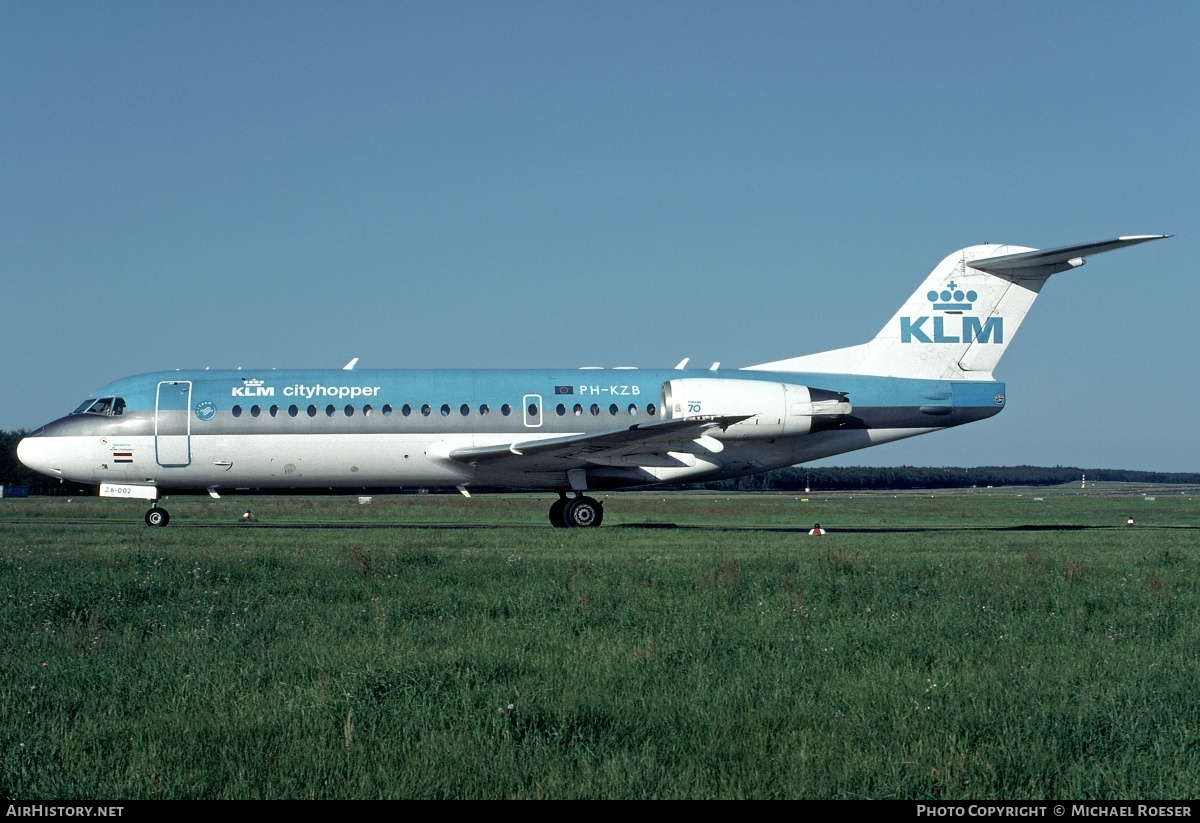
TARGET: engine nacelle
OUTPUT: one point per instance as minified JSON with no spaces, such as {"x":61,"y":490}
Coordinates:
{"x":772,"y":409}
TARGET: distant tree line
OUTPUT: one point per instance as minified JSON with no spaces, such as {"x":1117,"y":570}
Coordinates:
{"x":795,"y":478}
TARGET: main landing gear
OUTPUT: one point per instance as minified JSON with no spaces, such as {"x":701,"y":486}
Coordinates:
{"x":157,"y":516}
{"x":580,"y":511}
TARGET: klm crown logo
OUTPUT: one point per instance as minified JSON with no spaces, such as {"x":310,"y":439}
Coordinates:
{"x":957,"y":327}
{"x":952,"y":298}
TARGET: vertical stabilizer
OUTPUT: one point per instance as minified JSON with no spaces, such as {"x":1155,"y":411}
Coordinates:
{"x":961,"y":319}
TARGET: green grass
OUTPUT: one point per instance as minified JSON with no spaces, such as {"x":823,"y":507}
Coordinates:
{"x":335,"y":650}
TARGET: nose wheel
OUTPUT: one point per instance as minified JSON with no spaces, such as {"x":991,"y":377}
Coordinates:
{"x":157,"y":517}
{"x":576,"y":512}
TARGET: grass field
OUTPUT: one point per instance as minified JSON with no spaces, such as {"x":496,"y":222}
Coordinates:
{"x":986,"y":645}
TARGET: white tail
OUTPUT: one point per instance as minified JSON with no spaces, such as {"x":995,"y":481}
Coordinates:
{"x":962,"y":318}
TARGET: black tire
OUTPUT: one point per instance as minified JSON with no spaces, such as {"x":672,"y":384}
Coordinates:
{"x":556,"y":513}
{"x":157,"y":517}
{"x":583,"y":512}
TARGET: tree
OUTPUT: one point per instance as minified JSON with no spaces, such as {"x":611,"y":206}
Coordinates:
{"x":12,"y":471}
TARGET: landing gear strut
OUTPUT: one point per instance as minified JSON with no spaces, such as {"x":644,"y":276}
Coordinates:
{"x":576,"y":512}
{"x":157,"y":516}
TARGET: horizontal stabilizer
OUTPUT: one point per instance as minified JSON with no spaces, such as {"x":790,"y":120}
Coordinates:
{"x":1050,"y":261}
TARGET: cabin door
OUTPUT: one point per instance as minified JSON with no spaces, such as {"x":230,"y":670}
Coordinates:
{"x":173,"y":423}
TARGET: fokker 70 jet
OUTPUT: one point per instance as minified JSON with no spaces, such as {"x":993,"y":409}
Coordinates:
{"x":567,"y":431}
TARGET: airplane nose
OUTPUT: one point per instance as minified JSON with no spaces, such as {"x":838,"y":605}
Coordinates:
{"x":34,"y":452}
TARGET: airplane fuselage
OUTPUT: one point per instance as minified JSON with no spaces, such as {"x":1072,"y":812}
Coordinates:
{"x":379,"y":429}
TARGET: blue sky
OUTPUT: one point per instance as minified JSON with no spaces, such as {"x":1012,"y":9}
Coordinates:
{"x":520,"y":184}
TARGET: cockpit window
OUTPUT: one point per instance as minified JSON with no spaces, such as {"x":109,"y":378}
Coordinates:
{"x":110,"y":406}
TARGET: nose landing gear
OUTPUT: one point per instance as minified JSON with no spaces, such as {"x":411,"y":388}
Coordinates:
{"x":157,"y":516}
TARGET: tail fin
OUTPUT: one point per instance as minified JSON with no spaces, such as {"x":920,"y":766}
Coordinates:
{"x":959,"y":322}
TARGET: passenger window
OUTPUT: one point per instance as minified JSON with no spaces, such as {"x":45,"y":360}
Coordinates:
{"x":560,"y":409}
{"x":274,"y":411}
{"x":349,"y":410}
{"x":613,"y":409}
{"x":650,"y":410}
{"x":255,"y":411}
{"x":484,"y":410}
{"x":367,"y":410}
{"x":464,"y":410}
{"x":595,"y":409}
{"x":578,"y":410}
{"x":293,"y":411}
{"x":387,"y":410}
{"x":237,"y":411}
{"x":445,"y":409}
{"x":407,"y":410}
{"x":533,"y":410}
{"x":506,"y":410}
{"x":425,"y":410}
{"x":312,"y":411}
{"x":633,"y":409}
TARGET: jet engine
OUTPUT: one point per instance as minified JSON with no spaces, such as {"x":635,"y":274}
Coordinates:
{"x":771,"y":409}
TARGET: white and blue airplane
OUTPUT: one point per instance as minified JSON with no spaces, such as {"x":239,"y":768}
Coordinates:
{"x":568,"y":431}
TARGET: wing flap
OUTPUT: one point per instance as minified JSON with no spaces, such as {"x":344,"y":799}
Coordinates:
{"x":642,"y":444}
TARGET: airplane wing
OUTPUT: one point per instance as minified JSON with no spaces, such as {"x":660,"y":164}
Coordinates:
{"x":1049,"y":261}
{"x":647,"y":444}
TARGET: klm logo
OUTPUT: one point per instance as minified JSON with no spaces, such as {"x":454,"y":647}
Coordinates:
{"x":956,"y":328}
{"x":913,"y":330}
{"x":253,"y":388}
